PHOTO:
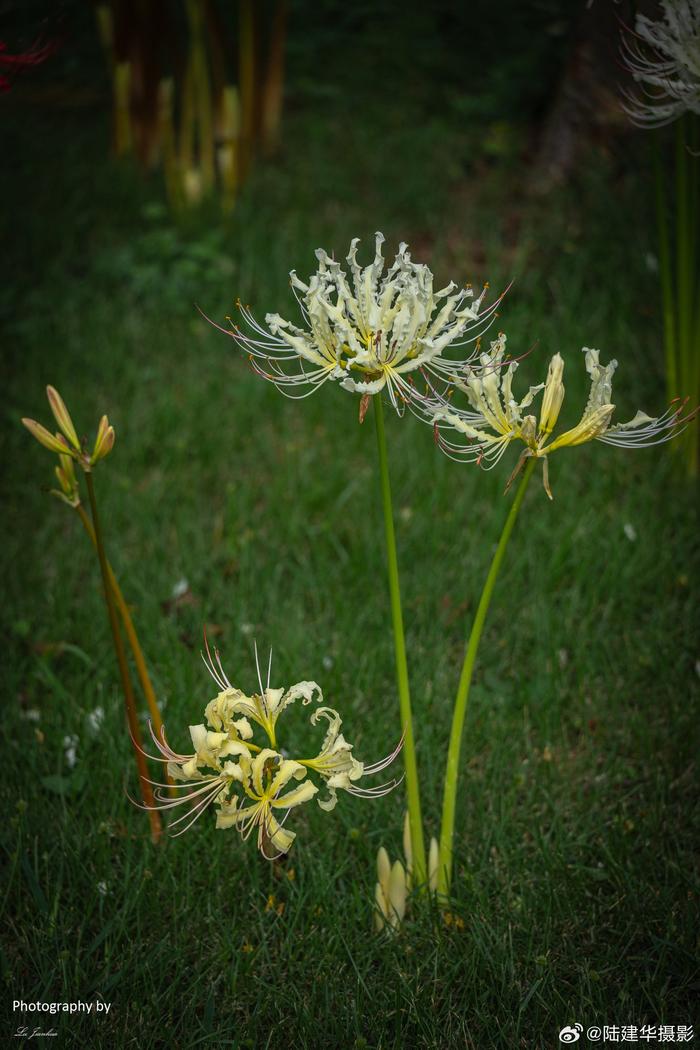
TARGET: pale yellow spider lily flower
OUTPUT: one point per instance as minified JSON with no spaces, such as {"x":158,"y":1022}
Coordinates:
{"x":247,"y":781}
{"x":369,"y":331}
{"x":340,"y":769}
{"x":265,"y":777}
{"x":495,"y":419}
{"x":335,"y":761}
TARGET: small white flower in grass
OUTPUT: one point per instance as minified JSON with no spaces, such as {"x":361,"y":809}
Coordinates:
{"x":180,"y":588}
{"x":369,"y":332}
{"x":252,"y":784}
{"x":96,"y":718}
{"x":664,"y":58}
{"x":495,"y":418}
{"x":629,"y":531}
{"x":102,"y":888}
{"x":70,"y":750}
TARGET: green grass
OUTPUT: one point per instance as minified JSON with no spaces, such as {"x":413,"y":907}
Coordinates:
{"x":576,"y":879}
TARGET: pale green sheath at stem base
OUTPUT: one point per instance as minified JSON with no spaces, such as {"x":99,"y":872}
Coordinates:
{"x":460,"y":710}
{"x":409,"y":746}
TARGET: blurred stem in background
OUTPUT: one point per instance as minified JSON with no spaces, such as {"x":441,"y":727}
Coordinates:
{"x":132,"y":637}
{"x":460,"y":709}
{"x":420,"y":870}
{"x":190,"y":117}
{"x":677,"y":216}
{"x":132,"y":719}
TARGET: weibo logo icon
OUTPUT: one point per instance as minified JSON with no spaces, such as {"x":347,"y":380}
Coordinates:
{"x":570,"y":1034}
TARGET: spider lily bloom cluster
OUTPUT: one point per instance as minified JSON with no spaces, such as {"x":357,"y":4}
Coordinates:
{"x":253,"y":784}
{"x":664,"y":58}
{"x":496,"y":418}
{"x":369,"y":333}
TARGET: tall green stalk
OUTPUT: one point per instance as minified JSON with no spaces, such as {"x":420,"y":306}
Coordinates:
{"x":665,"y":274}
{"x":684,"y":251}
{"x":146,"y":792}
{"x":692,"y":347}
{"x":130,"y":630}
{"x":460,"y":709}
{"x":409,"y":746}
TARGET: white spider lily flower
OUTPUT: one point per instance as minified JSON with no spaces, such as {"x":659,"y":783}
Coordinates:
{"x":495,"y":419}
{"x":368,"y":332}
{"x":664,"y":58}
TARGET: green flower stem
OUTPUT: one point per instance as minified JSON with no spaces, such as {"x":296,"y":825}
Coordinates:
{"x":146,"y":792}
{"x":132,"y":637}
{"x":666,"y":274}
{"x":460,"y":709}
{"x":409,"y":746}
{"x":692,"y":349}
{"x":684,"y":250}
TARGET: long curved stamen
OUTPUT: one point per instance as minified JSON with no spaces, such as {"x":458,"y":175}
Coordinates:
{"x":177,"y":801}
{"x":375,"y":792}
{"x":263,"y":694}
{"x":377,"y":767}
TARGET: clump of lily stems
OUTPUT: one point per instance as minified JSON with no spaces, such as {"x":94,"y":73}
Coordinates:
{"x":196,"y":120}
{"x":677,"y":217}
{"x":70,"y":449}
{"x":376,"y":335}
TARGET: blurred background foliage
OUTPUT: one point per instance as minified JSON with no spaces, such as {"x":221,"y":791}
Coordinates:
{"x":490,"y":138}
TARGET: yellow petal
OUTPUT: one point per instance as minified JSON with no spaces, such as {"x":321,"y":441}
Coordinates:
{"x":592,"y":424}
{"x":383,"y":869}
{"x":54,"y":444}
{"x":553,"y":395}
{"x":296,"y":797}
{"x":433,"y":865}
{"x":62,"y":416}
{"x":280,"y":838}
{"x":397,"y":894}
{"x":104,"y":442}
{"x":380,"y":911}
{"x":258,"y":768}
